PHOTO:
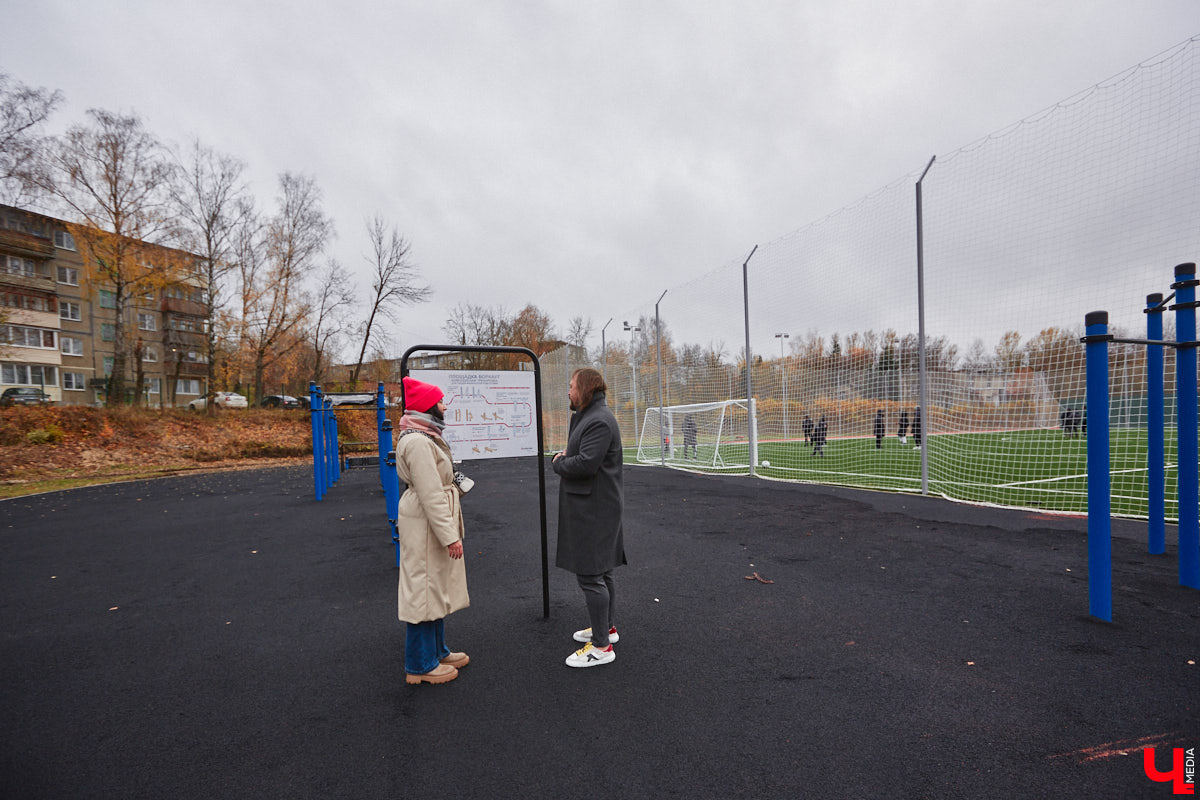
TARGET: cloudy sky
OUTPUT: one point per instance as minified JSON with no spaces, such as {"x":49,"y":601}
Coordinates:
{"x":581,"y":157}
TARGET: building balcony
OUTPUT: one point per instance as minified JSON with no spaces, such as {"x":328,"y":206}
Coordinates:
{"x":26,"y":244}
{"x":174,"y":305}
{"x":186,"y":369}
{"x":183,"y":340}
{"x":41,"y":283}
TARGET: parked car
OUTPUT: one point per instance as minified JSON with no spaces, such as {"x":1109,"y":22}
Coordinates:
{"x":222,"y":400}
{"x":280,"y":401}
{"x":24,"y":396}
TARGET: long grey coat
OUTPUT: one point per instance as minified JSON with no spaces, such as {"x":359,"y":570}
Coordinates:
{"x":432,"y":584}
{"x":590,"y":497}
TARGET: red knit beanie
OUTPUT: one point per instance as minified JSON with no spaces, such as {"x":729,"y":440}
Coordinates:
{"x":420,"y":396}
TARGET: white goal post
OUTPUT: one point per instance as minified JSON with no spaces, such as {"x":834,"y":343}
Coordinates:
{"x":709,"y":435}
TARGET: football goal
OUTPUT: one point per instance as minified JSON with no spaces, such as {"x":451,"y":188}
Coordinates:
{"x":708,"y":435}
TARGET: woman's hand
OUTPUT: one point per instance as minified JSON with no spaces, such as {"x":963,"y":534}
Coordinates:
{"x":455,"y":550}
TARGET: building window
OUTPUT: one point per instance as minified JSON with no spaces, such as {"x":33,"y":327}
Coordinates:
{"x":64,"y":240}
{"x":28,"y":375}
{"x":107,"y":299}
{"x":28,"y":302}
{"x":71,"y":346}
{"x":25,"y":336}
{"x":19,"y":266}
{"x":150,"y":355}
{"x":154,"y":386}
{"x":69,"y":310}
{"x":68,"y":275}
{"x":108,"y":366}
{"x":108,"y":332}
{"x":187,"y":386}
{"x":146,"y":322}
{"x":74,"y":381}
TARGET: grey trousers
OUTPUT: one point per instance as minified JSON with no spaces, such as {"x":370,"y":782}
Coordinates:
{"x":600,"y":593}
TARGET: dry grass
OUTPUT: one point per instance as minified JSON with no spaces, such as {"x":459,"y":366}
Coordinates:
{"x":62,"y":446}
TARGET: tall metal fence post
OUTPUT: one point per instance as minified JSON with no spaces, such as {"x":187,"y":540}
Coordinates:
{"x":1186,"y":426}
{"x":753,"y":426}
{"x":662,"y":438}
{"x":1099,"y":524}
{"x":922,"y":377}
{"x":1155,"y":434}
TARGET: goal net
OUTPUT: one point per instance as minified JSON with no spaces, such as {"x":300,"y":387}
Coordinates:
{"x":709,"y":435}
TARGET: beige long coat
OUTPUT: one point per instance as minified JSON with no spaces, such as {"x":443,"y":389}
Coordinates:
{"x":432,"y":584}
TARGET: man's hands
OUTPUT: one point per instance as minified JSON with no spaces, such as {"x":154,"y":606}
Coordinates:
{"x":455,"y":550}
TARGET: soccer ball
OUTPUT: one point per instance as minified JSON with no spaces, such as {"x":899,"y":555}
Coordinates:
{"x":766,"y":463}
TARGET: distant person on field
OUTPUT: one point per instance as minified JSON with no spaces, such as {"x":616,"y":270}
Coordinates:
{"x":433,"y":575}
{"x":591,"y":541}
{"x":880,"y":429}
{"x":819,"y":435}
{"x":916,"y":426}
{"x":689,"y":435}
{"x":902,"y":431}
{"x":807,"y":426}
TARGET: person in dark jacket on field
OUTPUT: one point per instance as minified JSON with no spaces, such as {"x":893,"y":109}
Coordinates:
{"x":591,"y":541}
{"x":808,"y":427}
{"x":916,"y":426}
{"x":880,"y":429}
{"x":902,"y":431}
{"x":689,"y":435}
{"x":818,"y":440}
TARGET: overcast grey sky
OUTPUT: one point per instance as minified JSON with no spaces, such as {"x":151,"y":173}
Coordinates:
{"x":581,"y":157}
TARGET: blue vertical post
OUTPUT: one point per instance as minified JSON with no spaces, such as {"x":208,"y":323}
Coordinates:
{"x":335,"y":452}
{"x":1099,"y":486}
{"x":1185,"y":399}
{"x":385,"y":442}
{"x":330,"y":446}
{"x":318,"y":435}
{"x":391,"y":495}
{"x":1155,"y":436}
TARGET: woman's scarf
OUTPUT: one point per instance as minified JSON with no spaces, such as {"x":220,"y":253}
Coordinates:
{"x":421,"y":421}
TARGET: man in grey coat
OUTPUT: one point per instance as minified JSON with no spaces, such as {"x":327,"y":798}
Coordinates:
{"x":590,"y":539}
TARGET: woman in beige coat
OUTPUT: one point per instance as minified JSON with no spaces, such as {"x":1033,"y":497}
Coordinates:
{"x":433,"y":575}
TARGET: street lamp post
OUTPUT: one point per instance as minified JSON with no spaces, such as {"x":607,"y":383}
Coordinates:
{"x":604,"y":352}
{"x":783,"y":378}
{"x":633,"y":358}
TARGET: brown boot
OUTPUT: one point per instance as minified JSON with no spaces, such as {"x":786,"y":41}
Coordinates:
{"x":442,"y":673}
{"x":457,"y":660}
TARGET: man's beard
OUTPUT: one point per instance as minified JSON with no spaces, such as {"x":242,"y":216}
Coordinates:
{"x":573,"y":406}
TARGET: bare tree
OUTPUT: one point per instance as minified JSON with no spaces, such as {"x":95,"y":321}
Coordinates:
{"x":479,"y":325}
{"x":393,"y":281}
{"x":212,"y":203}
{"x":113,"y":179}
{"x":333,"y":299}
{"x":22,"y":112}
{"x":273,"y":302}
{"x":579,"y":332}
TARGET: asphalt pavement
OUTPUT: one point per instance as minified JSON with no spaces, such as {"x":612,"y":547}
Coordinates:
{"x":227,"y":636}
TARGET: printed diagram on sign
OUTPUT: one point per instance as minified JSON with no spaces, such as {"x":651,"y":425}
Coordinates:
{"x":488,"y":420}
{"x":488,"y":414}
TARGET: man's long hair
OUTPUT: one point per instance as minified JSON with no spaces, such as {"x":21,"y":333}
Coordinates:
{"x":588,"y":381}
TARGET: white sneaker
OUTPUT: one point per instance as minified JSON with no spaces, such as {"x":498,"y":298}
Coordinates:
{"x":591,"y":656}
{"x":585,"y":635}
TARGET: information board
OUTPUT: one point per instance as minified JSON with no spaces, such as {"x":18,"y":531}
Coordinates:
{"x":488,"y":414}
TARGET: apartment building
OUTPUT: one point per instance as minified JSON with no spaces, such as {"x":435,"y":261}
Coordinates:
{"x":58,"y":320}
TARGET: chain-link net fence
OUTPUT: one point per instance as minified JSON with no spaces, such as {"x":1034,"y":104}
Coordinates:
{"x":1087,"y":205}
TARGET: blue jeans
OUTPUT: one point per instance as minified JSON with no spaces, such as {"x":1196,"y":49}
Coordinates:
{"x":424,"y":646}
